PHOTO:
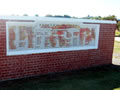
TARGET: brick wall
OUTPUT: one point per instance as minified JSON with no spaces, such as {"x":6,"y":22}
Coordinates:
{"x":19,"y":66}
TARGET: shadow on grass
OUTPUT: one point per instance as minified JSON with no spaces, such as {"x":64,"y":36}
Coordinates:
{"x":96,"y":78}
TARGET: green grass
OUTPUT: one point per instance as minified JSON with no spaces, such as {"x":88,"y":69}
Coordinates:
{"x":116,"y":54}
{"x":117,"y":33}
{"x":99,"y":78}
{"x":117,"y":47}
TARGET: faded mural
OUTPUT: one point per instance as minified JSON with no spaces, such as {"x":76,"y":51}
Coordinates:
{"x":44,"y":36}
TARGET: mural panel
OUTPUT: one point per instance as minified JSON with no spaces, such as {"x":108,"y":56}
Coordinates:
{"x":40,"y":37}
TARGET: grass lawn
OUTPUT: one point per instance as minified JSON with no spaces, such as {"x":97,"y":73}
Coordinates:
{"x":117,"y":47}
{"x":117,"y":33}
{"x":116,"y":54}
{"x":97,"y":78}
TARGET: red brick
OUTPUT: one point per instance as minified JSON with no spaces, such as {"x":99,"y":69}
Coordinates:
{"x":20,"y":66}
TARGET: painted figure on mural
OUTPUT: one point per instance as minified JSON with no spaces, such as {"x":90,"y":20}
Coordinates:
{"x":62,"y":41}
{"x":12,"y":37}
{"x":53,"y":39}
{"x":22,"y":36}
{"x":30,"y":35}
{"x":26,"y":37}
{"x":87,"y":36}
{"x":61,"y":34}
{"x":90,"y":38}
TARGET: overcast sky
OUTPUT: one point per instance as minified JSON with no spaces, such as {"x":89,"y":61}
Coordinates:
{"x":78,"y":8}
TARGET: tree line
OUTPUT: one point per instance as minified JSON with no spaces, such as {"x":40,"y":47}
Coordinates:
{"x":110,"y":17}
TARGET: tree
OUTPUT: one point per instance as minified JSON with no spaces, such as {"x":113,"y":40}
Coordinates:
{"x":118,"y":25}
{"x":110,"y":17}
{"x":48,"y":15}
{"x":25,"y":15}
{"x":37,"y":15}
{"x":67,"y":16}
{"x":59,"y":16}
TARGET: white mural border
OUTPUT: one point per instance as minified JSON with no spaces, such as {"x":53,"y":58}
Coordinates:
{"x":35,"y":51}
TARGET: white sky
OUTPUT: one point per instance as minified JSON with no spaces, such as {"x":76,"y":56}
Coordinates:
{"x":78,"y":8}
